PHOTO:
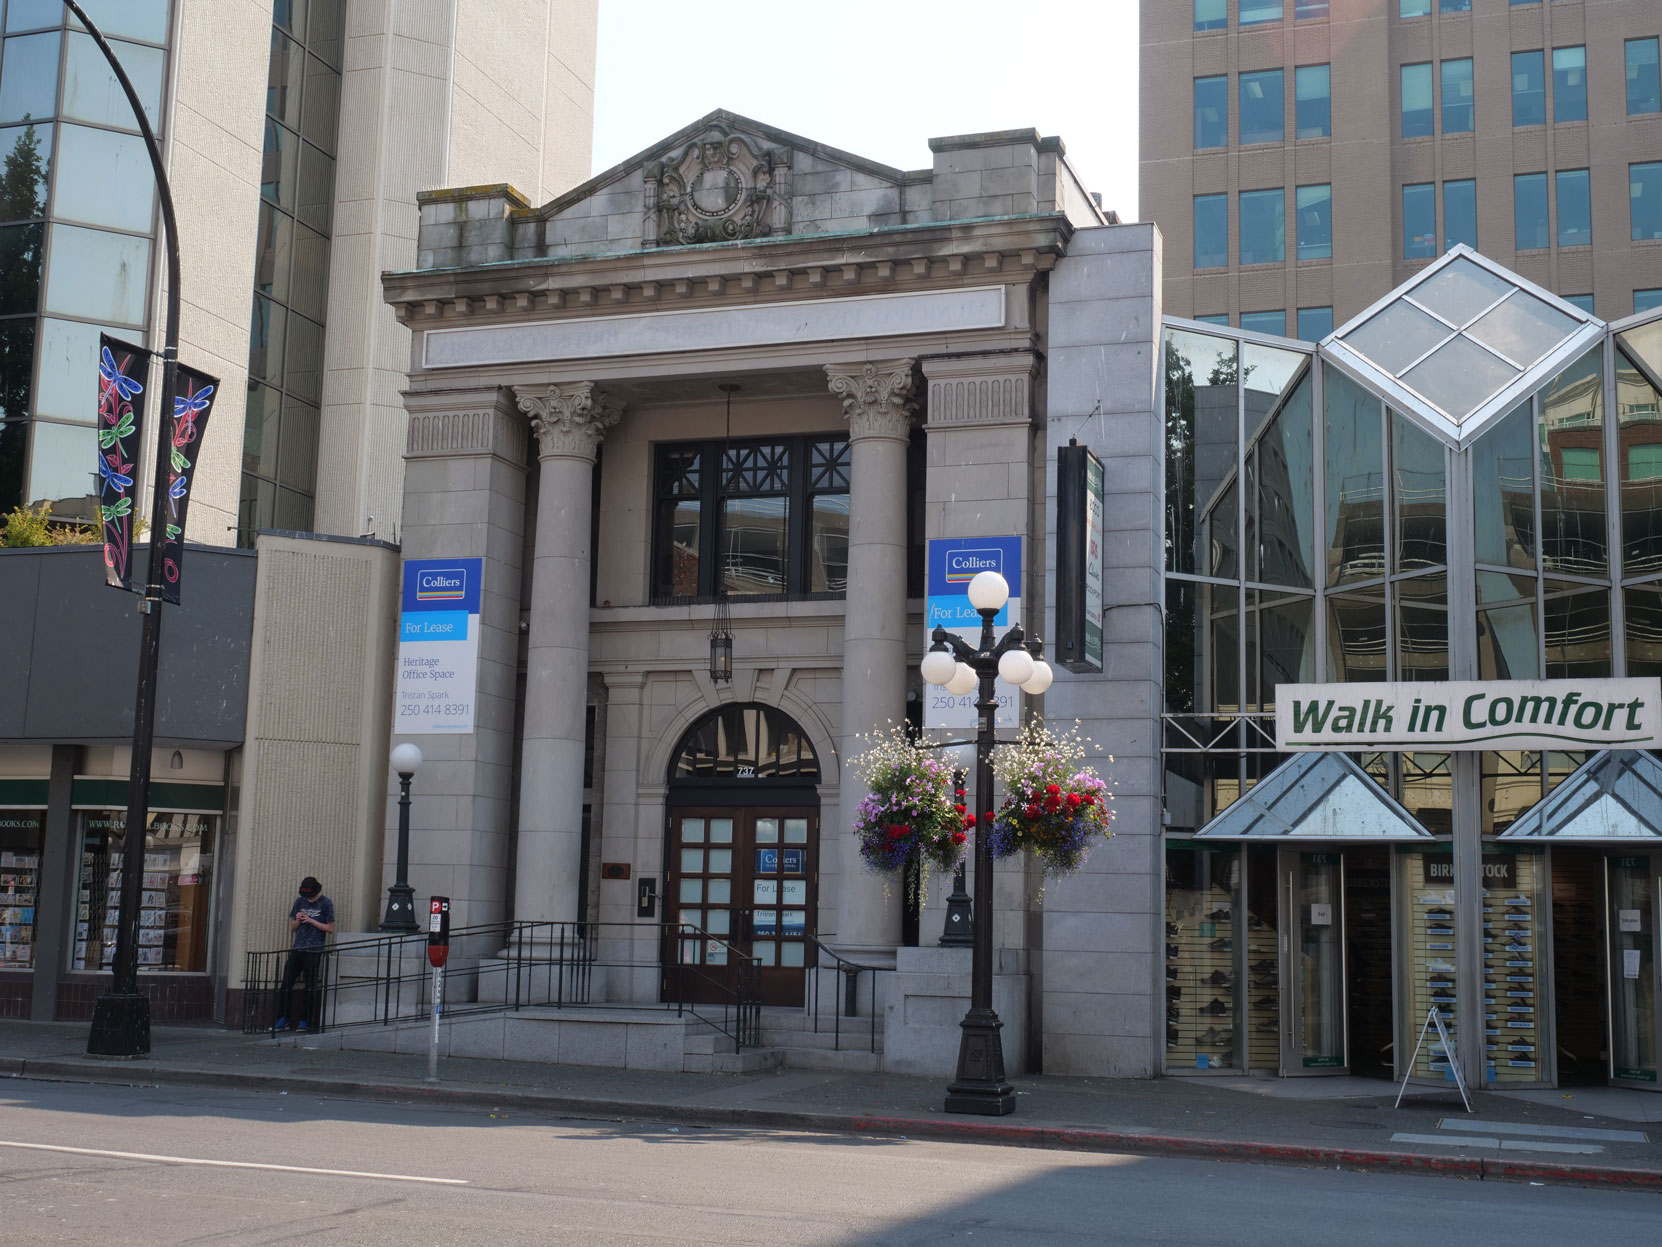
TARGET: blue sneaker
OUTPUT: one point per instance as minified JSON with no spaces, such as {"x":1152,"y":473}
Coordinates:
{"x":301,"y":1026}
{"x":281,"y":1024}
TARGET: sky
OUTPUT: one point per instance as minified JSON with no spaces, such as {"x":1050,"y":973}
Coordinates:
{"x":878,"y":79}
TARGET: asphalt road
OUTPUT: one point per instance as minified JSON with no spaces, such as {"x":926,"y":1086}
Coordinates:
{"x":103,"y":1165}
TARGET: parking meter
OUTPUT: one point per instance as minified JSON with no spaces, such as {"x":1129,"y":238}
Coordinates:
{"x":438,"y":931}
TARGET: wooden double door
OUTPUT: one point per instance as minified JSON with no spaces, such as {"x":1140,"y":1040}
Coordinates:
{"x":742,"y":881}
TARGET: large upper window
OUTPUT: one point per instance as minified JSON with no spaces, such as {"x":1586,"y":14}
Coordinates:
{"x":1255,"y":12}
{"x":1413,"y":8}
{"x":1457,"y":96}
{"x":1211,"y":14}
{"x":1315,"y":222}
{"x":1418,"y":119}
{"x":1569,"y":84}
{"x":1529,"y":211}
{"x":1262,"y":107}
{"x":1263,"y":226}
{"x":1212,"y":111}
{"x":1314,"y":323}
{"x":1575,"y":209}
{"x":1266,"y":322}
{"x":1454,"y":6}
{"x":1211,"y":231}
{"x":1644,"y":193}
{"x":1313,"y":101}
{"x":1644,"y":80}
{"x":1419,"y":221}
{"x":1460,"y":213}
{"x":773,"y":520}
{"x":1529,"y":92}
{"x":1646,"y":300}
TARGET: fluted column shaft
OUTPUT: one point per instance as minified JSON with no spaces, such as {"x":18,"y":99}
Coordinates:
{"x":877,"y":401}
{"x":569,"y":421}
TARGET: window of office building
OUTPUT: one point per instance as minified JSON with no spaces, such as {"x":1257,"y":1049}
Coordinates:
{"x":1413,"y":8}
{"x":1644,"y":194}
{"x":773,"y":520}
{"x":1644,"y":79}
{"x":1263,"y":226}
{"x":1256,"y":12}
{"x":1215,"y":318}
{"x":1212,"y":111}
{"x":1314,"y":323}
{"x":1266,"y":322}
{"x":75,"y":257}
{"x":1569,"y":84}
{"x":1313,"y":101}
{"x":1647,"y":301}
{"x":1460,"y":213}
{"x":1583,"y":301}
{"x":1315,"y":222}
{"x":1262,"y":107}
{"x":1419,"y":221}
{"x":1575,"y":209}
{"x":291,"y":283}
{"x":1454,"y":6}
{"x":1529,"y":92}
{"x":1529,"y":211}
{"x":1211,"y":14}
{"x":1457,"y":96}
{"x":1309,"y":8}
{"x":1418,"y":119}
{"x":1211,"y":231}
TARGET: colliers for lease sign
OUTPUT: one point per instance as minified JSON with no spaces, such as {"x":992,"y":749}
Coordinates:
{"x":1483,"y":714}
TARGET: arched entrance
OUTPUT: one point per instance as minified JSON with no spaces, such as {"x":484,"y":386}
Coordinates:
{"x":742,"y":848}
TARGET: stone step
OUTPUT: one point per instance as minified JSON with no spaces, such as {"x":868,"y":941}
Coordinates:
{"x":750,"y":1061}
{"x":824,"y":1059}
{"x":849,"y":1041}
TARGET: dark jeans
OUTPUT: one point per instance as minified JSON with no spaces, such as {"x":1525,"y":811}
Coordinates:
{"x":307,"y":963}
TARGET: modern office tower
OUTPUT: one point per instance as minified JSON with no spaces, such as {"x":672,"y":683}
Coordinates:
{"x":296,"y":135}
{"x":1304,"y":157}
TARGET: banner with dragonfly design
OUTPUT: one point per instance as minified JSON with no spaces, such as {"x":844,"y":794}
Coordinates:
{"x":191,"y":408}
{"x":122,"y":371}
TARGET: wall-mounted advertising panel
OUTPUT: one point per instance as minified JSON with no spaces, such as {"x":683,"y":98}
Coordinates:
{"x":438,"y":646}
{"x":1079,"y":491}
{"x":953,"y":563}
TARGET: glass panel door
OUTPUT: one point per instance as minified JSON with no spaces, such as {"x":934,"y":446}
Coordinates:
{"x":1631,"y":886}
{"x":1315,"y":954}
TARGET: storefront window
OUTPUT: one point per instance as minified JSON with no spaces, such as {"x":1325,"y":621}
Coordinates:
{"x":1203,"y":1007}
{"x":21,"y":832}
{"x":1428,"y":879}
{"x":174,"y":896}
{"x":1516,"y":906}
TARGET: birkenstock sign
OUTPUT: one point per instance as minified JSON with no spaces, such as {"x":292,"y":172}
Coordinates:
{"x":1483,"y":714}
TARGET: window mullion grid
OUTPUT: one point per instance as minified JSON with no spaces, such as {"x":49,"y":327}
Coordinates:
{"x":712,"y":490}
{"x":1613,"y":509}
{"x":798,"y":522}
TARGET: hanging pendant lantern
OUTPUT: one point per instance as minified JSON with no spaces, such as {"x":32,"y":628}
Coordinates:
{"x":721,"y":642}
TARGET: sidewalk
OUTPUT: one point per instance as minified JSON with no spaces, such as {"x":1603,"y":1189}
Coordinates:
{"x":1343,"y":1123}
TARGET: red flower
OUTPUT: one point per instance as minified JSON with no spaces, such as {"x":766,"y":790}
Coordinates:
{"x":959,"y":793}
{"x":958,"y":808}
{"x":1032,"y":811}
{"x":1089,"y":799}
{"x":1052,"y":804}
{"x":1074,"y":800}
{"x":959,"y":837}
{"x":969,"y":820}
{"x":1052,"y":790}
{"x":897,"y":831}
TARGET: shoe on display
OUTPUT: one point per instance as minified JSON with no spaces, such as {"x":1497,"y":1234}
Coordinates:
{"x":1221,"y":978}
{"x":1171,"y":1036}
{"x":281,"y":1024}
{"x":1228,"y":1057}
{"x":301,"y":1027}
{"x":1264,"y":1002}
{"x":1212,"y":1037}
{"x":1216,"y":1009}
{"x":1265,"y":983}
{"x":1174,"y":993}
{"x":1171,"y":952}
{"x":1218,"y":915}
{"x":1262,"y":967}
{"x":1173,"y":1013}
{"x":1254,"y":922}
{"x":1222,"y":946}
{"x":1171,"y":928}
{"x":1441,"y":966}
{"x":1171,"y":974}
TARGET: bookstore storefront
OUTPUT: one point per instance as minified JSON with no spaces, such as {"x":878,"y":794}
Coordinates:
{"x":1443,"y":525}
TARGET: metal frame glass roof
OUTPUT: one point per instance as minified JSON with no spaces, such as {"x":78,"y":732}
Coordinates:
{"x":1461,"y":343}
{"x":1614,"y":797}
{"x":1315,"y":796}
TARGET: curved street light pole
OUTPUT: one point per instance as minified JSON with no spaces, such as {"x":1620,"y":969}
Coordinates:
{"x":121,"y":1017}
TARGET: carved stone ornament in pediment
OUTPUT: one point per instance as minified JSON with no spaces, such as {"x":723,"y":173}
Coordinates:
{"x":718,"y":188}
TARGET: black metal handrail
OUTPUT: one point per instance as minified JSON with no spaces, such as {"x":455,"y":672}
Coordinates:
{"x":851,"y":972}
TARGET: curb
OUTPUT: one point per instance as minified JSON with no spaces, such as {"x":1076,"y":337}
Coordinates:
{"x":1056,"y":1138}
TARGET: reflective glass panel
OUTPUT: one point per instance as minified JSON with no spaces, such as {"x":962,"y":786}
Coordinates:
{"x":323,"y":28}
{"x":91,"y":93}
{"x":260,"y":426}
{"x":1313,"y":101}
{"x":1645,"y":200}
{"x":1222,"y":646}
{"x":63,"y":462}
{"x":1220,"y":521}
{"x":309,"y":294}
{"x":1460,"y":213}
{"x":1458,"y":376}
{"x":1639,"y":411}
{"x":297,"y":449}
{"x":1356,"y":640}
{"x":1644,"y":630}
{"x":1419,"y":221}
{"x":1284,"y":471}
{"x":1266,"y":322}
{"x":274,"y":250}
{"x":317,"y":187}
{"x":1263,"y":107}
{"x":828,"y":549}
{"x":1264,"y":226}
{"x":692,"y":862}
{"x":1211,"y":231}
{"x":1460,"y":290}
{"x":1503,"y":492}
{"x":1418,"y":464}
{"x":32,"y":14}
{"x":1354,"y":460}
{"x":692,"y":830}
{"x":17,"y":359}
{"x":128,"y":19}
{"x":303,"y":361}
{"x":754,"y":540}
{"x":1397,"y":336}
{"x":1255,"y":11}
{"x":103,"y":179}
{"x":1523,"y":328}
{"x":721,"y":861}
{"x":1508,"y":647}
{"x":1573,"y":538}
{"x":67,"y":349}
{"x":1457,"y":95}
{"x":294,"y":511}
{"x":29,"y":77}
{"x":1202,"y":887}
{"x":1575,"y":208}
{"x":1582,"y":301}
{"x":1529,"y":211}
{"x":266,"y":330}
{"x":1281,"y":647}
{"x":1211,"y":14}
{"x":1314,"y":323}
{"x":1645,"y":300}
{"x":721,"y":891}
{"x":1418,"y":119}
{"x":1569,"y":84}
{"x":1633,"y":993}
{"x":1315,"y":223}
{"x":1529,"y":95}
{"x":1202,"y":435}
{"x":1413,"y":8}
{"x":20,"y":255}
{"x":279,"y":175}
{"x":1454,"y":6}
{"x":1212,"y":111}
{"x":1644,"y":83}
{"x":284,"y":74}
{"x":1576,"y":632}
{"x":322,"y":104}
{"x":98,"y":275}
{"x":1422,"y":629}
{"x":26,"y":153}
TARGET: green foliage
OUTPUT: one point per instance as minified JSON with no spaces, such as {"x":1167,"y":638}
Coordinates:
{"x":32,"y":526}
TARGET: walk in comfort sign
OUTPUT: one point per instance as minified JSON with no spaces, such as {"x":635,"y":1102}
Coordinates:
{"x":438,"y":646}
{"x":1482,"y":714}
{"x":953,"y":563}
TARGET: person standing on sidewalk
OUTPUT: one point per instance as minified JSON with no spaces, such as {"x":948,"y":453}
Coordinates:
{"x":311,"y":919}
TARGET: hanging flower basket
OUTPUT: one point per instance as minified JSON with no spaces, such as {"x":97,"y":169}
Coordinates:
{"x":908,"y":814}
{"x":1054,"y":804}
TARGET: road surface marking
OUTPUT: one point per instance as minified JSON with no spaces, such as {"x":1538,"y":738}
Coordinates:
{"x":230,"y":1164}
{"x":1446,"y":1140}
{"x":1546,"y":1132}
{"x":1512,"y":1145}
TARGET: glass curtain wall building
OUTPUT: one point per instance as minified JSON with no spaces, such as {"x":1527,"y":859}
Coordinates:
{"x":1463,"y":483}
{"x":77,"y":229}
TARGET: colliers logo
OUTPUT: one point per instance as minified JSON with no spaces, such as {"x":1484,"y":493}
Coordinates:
{"x":962,"y":566}
{"x":441,"y":584}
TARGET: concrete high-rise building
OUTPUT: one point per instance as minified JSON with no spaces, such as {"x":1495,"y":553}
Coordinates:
{"x":1304,"y":157}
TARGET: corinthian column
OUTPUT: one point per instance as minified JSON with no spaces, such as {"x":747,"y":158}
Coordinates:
{"x":877,"y":401}
{"x":569,"y":422}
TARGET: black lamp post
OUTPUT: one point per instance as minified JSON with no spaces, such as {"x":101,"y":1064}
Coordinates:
{"x":400,"y":915}
{"x":960,"y":914}
{"x":980,"y":1086}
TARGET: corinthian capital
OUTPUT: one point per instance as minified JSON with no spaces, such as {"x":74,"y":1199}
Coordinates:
{"x":570,"y":419}
{"x":877,"y":397}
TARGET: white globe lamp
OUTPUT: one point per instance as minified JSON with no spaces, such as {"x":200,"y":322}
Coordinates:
{"x":1040,"y":680}
{"x":406,"y":759}
{"x":989,"y":591}
{"x":1015,"y":667}
{"x":963,"y":680}
{"x":938,"y":666}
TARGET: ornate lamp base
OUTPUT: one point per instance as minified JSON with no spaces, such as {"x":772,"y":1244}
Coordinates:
{"x":980,"y":1086}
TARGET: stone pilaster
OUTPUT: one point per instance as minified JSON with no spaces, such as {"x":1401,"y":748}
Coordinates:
{"x":878,"y":403}
{"x":568,"y":421}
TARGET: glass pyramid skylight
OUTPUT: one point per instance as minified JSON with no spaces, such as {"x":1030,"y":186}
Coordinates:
{"x":1461,"y":343}
{"x":1615,"y":796}
{"x":1315,"y":796}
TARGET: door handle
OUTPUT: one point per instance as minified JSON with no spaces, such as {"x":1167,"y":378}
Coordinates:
{"x":747,"y":927}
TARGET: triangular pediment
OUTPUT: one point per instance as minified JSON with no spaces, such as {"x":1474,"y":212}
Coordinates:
{"x":1315,"y":796}
{"x":1615,"y":797}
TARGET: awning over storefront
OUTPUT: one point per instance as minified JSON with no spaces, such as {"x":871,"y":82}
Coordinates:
{"x":1320,"y":796}
{"x":1614,"y":797}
